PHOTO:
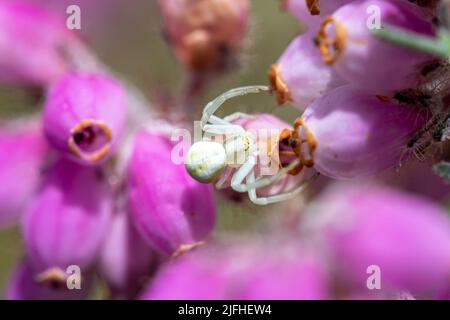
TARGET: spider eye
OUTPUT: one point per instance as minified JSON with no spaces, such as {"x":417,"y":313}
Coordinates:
{"x":205,"y":161}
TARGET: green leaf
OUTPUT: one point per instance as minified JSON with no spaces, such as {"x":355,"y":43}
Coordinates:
{"x":443,"y":169}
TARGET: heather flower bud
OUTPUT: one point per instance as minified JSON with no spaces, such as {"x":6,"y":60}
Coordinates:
{"x":350,"y":133}
{"x":22,"y":153}
{"x":171,"y":210}
{"x":125,"y":260}
{"x":33,"y":44}
{"x":206,"y":35}
{"x":85,"y":116}
{"x":348,"y":42}
{"x":23,"y":285}
{"x":68,"y":218}
{"x":300,"y":76}
{"x":242,"y":272}
{"x":405,"y":236}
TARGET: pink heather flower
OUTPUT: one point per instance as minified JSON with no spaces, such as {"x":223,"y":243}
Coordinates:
{"x":33,"y":43}
{"x":242,"y":271}
{"x":406,"y":236}
{"x":23,"y":285}
{"x":22,"y":153}
{"x":366,"y":61}
{"x":125,"y":260}
{"x":85,"y":116}
{"x":351,"y":133}
{"x":267,"y":128}
{"x":206,"y":35}
{"x":169,"y":208}
{"x":300,"y":76}
{"x":67,"y":220}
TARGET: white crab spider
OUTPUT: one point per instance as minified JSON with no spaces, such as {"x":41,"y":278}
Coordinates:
{"x":206,"y":160}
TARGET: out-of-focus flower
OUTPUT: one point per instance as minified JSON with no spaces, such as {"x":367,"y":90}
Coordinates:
{"x":125,"y":261}
{"x":300,"y":76}
{"x":34,"y":45}
{"x":206,"y":35}
{"x":243,"y":270}
{"x":267,"y":129}
{"x":350,"y":133}
{"x":85,"y":116}
{"x":347,"y":41}
{"x":22,"y":153}
{"x":406,"y":236}
{"x":23,"y":285}
{"x":171,"y":210}
{"x":67,"y":221}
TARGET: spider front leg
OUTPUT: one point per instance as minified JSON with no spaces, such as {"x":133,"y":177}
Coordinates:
{"x":262,"y":201}
{"x":215,"y":104}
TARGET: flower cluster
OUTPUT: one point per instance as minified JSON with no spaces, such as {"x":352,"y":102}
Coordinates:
{"x":91,"y":182}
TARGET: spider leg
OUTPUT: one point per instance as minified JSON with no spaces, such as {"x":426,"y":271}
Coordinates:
{"x":263,"y":182}
{"x":215,"y":104}
{"x":241,"y":174}
{"x":262,"y":201}
{"x":237,"y":115}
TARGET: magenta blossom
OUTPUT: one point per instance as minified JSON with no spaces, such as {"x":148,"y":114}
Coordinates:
{"x":22,"y":153}
{"x":126,"y":261}
{"x":407,"y":237}
{"x":85,"y":116}
{"x":67,"y":220}
{"x":169,"y":208}
{"x":347,"y":41}
{"x":242,"y":271}
{"x":350,"y":133}
{"x":300,"y":76}
{"x":31,"y":55}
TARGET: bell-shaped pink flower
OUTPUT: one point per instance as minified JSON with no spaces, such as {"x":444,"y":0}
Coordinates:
{"x":24,"y":285}
{"x":350,"y":133}
{"x":171,"y":210}
{"x":68,"y":219}
{"x":400,"y":238}
{"x":300,"y":76}
{"x":22,"y":152}
{"x":417,"y":176}
{"x":243,"y":271}
{"x":85,"y":116}
{"x":126,"y":261}
{"x":33,"y":45}
{"x":206,"y":35}
{"x":348,"y":42}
